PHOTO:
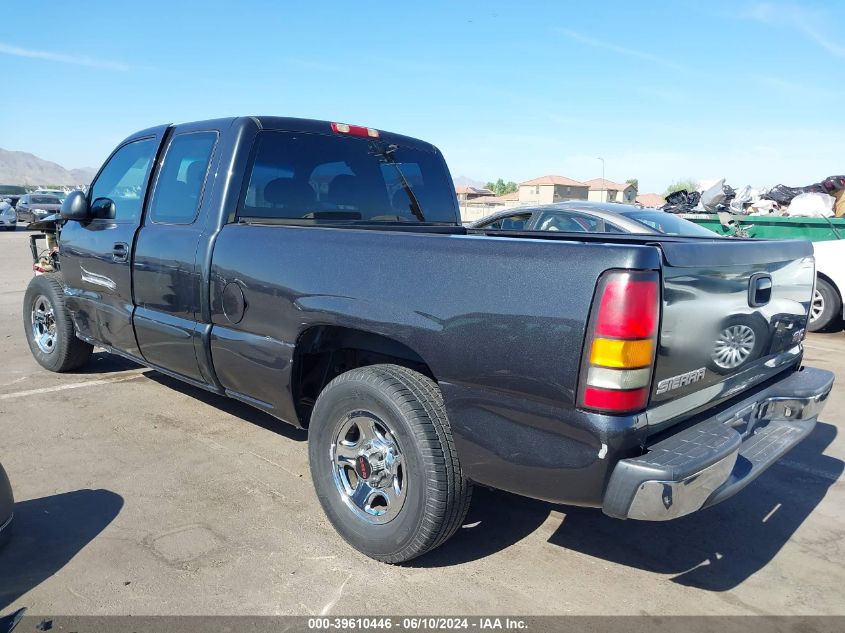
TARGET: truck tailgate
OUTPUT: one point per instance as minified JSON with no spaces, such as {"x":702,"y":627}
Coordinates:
{"x":734,"y":315}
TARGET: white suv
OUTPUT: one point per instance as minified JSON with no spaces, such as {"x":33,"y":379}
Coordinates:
{"x":8,"y":216}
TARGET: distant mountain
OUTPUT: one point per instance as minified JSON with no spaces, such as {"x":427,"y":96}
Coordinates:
{"x":21,"y":168}
{"x":466,"y":181}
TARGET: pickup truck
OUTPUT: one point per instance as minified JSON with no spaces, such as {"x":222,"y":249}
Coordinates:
{"x":319,"y":272}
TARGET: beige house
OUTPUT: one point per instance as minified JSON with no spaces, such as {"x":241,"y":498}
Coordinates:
{"x":603,"y":190}
{"x":549,"y":189}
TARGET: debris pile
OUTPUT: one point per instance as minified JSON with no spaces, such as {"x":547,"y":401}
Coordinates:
{"x":821,"y":199}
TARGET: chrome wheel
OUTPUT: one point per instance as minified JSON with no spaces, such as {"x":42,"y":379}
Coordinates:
{"x":817,"y":306}
{"x":733,"y":346}
{"x":367,"y":468}
{"x":43,"y":324}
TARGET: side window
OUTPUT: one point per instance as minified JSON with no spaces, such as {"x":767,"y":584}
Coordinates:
{"x":515,"y":222}
{"x":587,"y":223}
{"x":122,"y":181}
{"x":570,"y":223}
{"x":509,"y":222}
{"x":559,"y":221}
{"x":180,"y":182}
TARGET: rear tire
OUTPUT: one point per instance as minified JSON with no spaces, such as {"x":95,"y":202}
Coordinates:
{"x":49,"y":329}
{"x":409,"y":495}
{"x":826,"y":305}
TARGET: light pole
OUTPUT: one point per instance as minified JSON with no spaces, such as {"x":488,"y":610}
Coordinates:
{"x":604,"y":189}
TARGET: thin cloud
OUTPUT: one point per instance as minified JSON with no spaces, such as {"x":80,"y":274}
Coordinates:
{"x":778,"y":83}
{"x":621,"y":50}
{"x":802,"y":19}
{"x":16,"y":51}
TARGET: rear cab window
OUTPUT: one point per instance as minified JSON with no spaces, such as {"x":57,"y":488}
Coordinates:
{"x":310,"y":178}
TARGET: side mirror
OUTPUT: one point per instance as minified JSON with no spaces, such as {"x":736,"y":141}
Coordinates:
{"x":75,"y":207}
{"x":103,"y":208}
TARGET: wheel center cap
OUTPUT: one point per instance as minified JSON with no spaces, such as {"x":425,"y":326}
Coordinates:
{"x":363,"y":468}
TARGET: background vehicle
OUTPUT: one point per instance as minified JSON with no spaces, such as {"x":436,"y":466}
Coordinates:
{"x":56,"y":193}
{"x":318,"y":271}
{"x":7,"y":505}
{"x":12,"y":192}
{"x":594,"y":217}
{"x":826,"y":310}
{"x":8,"y":215}
{"x":32,"y":207}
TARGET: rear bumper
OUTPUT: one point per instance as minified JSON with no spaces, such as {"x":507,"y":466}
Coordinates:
{"x":713,"y":460}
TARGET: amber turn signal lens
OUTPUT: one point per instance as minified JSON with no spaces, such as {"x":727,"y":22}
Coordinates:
{"x":609,"y":352}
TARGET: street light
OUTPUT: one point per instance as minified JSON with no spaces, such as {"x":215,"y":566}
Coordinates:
{"x":604,"y":190}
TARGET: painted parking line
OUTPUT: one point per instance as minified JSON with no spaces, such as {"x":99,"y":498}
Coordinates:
{"x":72,"y":385}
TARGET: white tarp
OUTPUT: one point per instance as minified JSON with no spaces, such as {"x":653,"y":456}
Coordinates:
{"x":712,"y":196}
{"x":811,"y":205}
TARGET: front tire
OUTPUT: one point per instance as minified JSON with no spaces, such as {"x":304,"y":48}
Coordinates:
{"x":49,"y":328}
{"x":825,"y":308}
{"x":384,"y":463}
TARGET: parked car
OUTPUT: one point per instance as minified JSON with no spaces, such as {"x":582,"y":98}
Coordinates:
{"x":57,"y":193}
{"x":12,"y":192}
{"x":827,"y":307}
{"x":591,"y":217}
{"x":32,"y":207}
{"x":8,"y":215}
{"x":7,"y":505}
{"x":318,"y":271}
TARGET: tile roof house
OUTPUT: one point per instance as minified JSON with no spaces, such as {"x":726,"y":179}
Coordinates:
{"x":653,"y":200}
{"x":465,"y":192}
{"x":549,"y":189}
{"x":603,"y":190}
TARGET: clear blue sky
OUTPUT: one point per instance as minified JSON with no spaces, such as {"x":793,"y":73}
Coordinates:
{"x":752,"y":91}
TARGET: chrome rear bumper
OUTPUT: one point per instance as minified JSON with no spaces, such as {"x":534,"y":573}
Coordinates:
{"x":714,"y":459}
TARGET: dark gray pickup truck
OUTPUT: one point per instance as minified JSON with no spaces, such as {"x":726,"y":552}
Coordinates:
{"x":319,"y":272}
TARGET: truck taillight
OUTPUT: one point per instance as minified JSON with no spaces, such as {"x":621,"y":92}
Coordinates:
{"x":621,"y":342}
{"x":354,"y":130}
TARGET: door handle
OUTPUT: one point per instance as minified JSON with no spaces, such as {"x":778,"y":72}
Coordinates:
{"x":759,"y":290}
{"x":120,"y":252}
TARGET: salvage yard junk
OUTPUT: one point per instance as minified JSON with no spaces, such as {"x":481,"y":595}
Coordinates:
{"x":45,"y":259}
{"x":821,"y":199}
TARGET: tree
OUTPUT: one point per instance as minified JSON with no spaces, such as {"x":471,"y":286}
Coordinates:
{"x":633,"y":181}
{"x":687,"y":184}
{"x":500,"y":187}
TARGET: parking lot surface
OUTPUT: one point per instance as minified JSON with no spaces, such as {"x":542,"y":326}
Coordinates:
{"x":140,"y":495}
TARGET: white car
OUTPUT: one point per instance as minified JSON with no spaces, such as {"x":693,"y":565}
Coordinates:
{"x":8,"y":216}
{"x":830,"y":284}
